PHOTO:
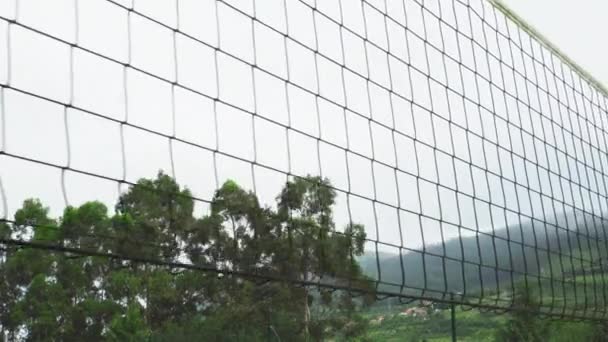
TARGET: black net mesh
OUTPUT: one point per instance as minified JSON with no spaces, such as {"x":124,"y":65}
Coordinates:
{"x":471,"y":153}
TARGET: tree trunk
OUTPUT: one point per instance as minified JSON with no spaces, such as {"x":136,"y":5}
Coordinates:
{"x":306,"y":316}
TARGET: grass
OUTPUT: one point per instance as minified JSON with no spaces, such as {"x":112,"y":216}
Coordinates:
{"x":471,"y":325}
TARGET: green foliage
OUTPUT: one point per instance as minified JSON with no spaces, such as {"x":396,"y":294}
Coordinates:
{"x":525,"y":323}
{"x":471,"y":325}
{"x":59,"y":296}
{"x":129,"y":327}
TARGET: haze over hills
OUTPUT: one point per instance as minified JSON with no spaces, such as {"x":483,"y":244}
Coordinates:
{"x":454,"y":265}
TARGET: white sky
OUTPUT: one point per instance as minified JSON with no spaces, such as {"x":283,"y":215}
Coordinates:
{"x":406,"y":125}
{"x":582,"y":38}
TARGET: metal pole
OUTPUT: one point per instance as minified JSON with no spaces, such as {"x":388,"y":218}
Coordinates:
{"x":453,"y":315}
{"x":269,"y":328}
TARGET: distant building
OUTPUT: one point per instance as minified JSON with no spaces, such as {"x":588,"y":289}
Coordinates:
{"x":418,"y":311}
{"x":426,"y":303}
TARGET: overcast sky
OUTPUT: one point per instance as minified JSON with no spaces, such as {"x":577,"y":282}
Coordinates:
{"x":406,"y":126}
{"x":583,"y":39}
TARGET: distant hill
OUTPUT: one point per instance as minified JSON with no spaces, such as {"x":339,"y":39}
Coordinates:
{"x":443,"y":273}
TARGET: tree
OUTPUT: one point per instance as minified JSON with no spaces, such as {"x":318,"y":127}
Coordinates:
{"x":310,"y":248}
{"x":64,"y":296}
{"x":152,"y":218}
{"x":38,"y":308}
{"x":129,"y":327}
{"x":8,"y":293}
{"x":524,"y":323}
